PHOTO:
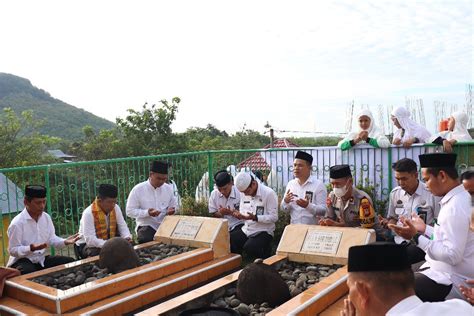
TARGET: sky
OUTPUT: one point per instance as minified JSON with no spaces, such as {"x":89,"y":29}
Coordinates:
{"x":295,"y":64}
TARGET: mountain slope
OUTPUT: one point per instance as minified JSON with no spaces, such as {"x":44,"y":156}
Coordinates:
{"x":61,"y":119}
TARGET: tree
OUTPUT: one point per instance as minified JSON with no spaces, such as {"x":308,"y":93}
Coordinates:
{"x":149,"y":131}
{"x":20,"y":142}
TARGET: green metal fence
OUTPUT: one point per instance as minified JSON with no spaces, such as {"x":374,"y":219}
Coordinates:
{"x":72,"y":186}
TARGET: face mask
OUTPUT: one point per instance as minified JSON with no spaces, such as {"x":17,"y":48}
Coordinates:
{"x":340,"y":192}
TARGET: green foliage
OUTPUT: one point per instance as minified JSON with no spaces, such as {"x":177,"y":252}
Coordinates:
{"x":149,"y":131}
{"x":191,"y":207}
{"x":315,"y":141}
{"x":60,"y":119}
{"x":20,"y":142}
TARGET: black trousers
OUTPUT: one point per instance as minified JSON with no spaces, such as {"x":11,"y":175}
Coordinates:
{"x":430,"y":291}
{"x":257,"y":246}
{"x":26,"y":266}
{"x":145,"y":234}
{"x":83,"y":251}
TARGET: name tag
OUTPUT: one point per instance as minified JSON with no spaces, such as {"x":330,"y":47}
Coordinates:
{"x":260,"y":210}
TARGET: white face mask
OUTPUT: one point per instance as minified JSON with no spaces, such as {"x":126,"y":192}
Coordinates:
{"x":340,"y":192}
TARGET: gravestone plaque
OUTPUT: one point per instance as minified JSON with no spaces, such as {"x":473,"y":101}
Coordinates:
{"x":186,"y":229}
{"x":322,"y":241}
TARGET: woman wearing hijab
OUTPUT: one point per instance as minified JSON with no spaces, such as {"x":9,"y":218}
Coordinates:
{"x":368,"y":133}
{"x":457,"y":131}
{"x":408,"y":131}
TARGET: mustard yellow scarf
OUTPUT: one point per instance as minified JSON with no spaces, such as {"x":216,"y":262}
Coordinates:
{"x":100,"y":222}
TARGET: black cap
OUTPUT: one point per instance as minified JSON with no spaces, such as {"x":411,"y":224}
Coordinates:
{"x":438,"y":160}
{"x":159,"y":167}
{"x":304,"y":156}
{"x":379,"y":256}
{"x":222,"y":178}
{"x":35,"y":191}
{"x":108,"y":190}
{"x":340,"y":171}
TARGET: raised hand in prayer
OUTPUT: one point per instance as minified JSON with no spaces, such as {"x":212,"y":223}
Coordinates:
{"x":34,"y":247}
{"x":152,"y":212}
{"x":397,"y":141}
{"x":225,"y":211}
{"x":302,"y":202}
{"x":170,"y":211}
{"x":289,"y":197}
{"x":407,"y":231}
{"x":72,"y":239}
{"x":468,"y":292}
{"x":448,"y":145}
{"x":349,"y":309}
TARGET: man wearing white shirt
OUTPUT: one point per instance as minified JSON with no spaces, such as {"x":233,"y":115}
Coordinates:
{"x":259,"y":210}
{"x":31,"y":232}
{"x":449,"y":245}
{"x":467,"y":179}
{"x":225,"y":200}
{"x":381,"y":282}
{"x":150,"y":201}
{"x":102,"y":220}
{"x":305,"y":196}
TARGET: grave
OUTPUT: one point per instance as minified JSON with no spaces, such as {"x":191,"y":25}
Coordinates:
{"x":319,"y":253}
{"x":199,"y":250}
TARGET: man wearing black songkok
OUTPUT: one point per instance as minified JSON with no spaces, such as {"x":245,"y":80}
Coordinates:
{"x":150,"y":201}
{"x":381,"y":282}
{"x":31,"y":232}
{"x":347,"y":205}
{"x":449,"y":245}
{"x":101,"y":221}
{"x":305,"y":196}
{"x":225,"y":200}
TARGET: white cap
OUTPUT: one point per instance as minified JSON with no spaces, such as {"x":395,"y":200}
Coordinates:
{"x":242,"y":181}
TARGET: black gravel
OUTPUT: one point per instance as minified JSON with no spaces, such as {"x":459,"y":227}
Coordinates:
{"x":298,"y":276}
{"x":66,"y":279}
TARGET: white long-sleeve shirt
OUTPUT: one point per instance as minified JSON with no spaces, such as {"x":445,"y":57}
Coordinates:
{"x":413,"y":306}
{"x":24,"y":231}
{"x":450,"y":251}
{"x":317,"y":195}
{"x":87,"y":228}
{"x":265,"y":206}
{"x":143,"y":197}
{"x":218,"y":200}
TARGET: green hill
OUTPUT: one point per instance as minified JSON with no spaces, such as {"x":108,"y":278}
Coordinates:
{"x":61,"y":119}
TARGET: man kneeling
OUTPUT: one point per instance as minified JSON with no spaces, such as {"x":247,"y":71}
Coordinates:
{"x":101,"y":221}
{"x":31,"y":232}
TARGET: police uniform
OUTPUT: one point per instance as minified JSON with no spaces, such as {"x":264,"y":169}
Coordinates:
{"x":349,"y":211}
{"x":449,"y":245}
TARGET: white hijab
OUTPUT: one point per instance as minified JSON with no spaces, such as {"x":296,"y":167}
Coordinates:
{"x":412,"y":129}
{"x":460,"y":131}
{"x":374,"y":130}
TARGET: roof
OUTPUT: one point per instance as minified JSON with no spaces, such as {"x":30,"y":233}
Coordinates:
{"x":257,"y":162}
{"x":11,"y":196}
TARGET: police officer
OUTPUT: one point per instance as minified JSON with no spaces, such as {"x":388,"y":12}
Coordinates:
{"x":348,"y":206}
{"x":259,"y":209}
{"x":411,"y":195}
{"x":225,"y":200}
{"x":449,"y":245}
